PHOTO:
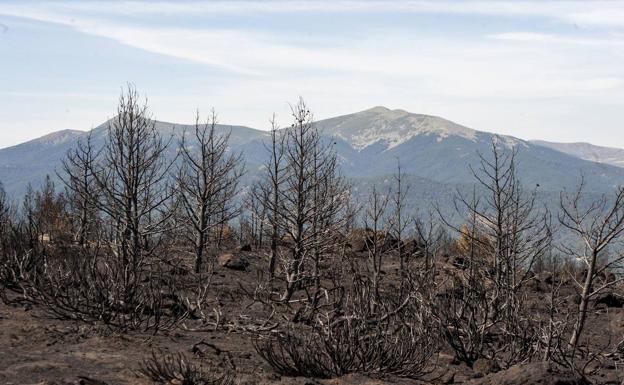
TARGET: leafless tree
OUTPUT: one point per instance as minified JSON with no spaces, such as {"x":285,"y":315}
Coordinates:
{"x":271,"y":187}
{"x":517,"y":230}
{"x":376,"y":224}
{"x":11,"y":246}
{"x":78,"y":168}
{"x":207,"y":184}
{"x":255,"y":217}
{"x":307,"y":197}
{"x":120,"y":280}
{"x":45,"y":214}
{"x":131,"y":178}
{"x":5,"y":219}
{"x":597,"y":225}
{"x":556,"y":322}
{"x":430,"y":240}
{"x":506,"y":233}
{"x":400,"y":219}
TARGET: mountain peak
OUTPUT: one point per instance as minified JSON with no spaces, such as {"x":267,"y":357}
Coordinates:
{"x":378,"y":109}
{"x":392,"y":127}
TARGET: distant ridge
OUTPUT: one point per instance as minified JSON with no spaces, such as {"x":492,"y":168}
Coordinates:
{"x":432,"y":150}
{"x":587,"y":151}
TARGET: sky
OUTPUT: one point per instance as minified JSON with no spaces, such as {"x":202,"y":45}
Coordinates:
{"x":535,"y":70}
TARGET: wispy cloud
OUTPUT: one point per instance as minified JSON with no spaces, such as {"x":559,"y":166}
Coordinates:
{"x":569,"y":52}
{"x":609,"y":13}
{"x":438,"y":65}
{"x":545,"y":38}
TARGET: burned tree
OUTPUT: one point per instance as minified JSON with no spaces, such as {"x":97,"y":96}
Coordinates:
{"x":255,"y":217}
{"x":504,"y":233}
{"x":5,"y":219}
{"x":376,"y":233}
{"x":207,"y":185}
{"x":131,"y":178}
{"x":78,"y":176}
{"x":45,"y":214}
{"x":270,"y":189}
{"x":597,"y":225}
{"x":399,"y":222}
{"x":120,"y":281}
{"x":516,"y":230}
{"x":311,"y":198}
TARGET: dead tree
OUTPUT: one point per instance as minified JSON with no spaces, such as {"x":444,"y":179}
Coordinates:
{"x":80,"y":184}
{"x":5,"y":219}
{"x":271,"y":188}
{"x":207,"y":184}
{"x":8,"y":244}
{"x":131,"y":178}
{"x":517,"y":230}
{"x":120,"y":280}
{"x":430,"y":240}
{"x":255,"y":217}
{"x":45,"y":213}
{"x":399,"y":218}
{"x":597,"y":225}
{"x":311,"y":196}
{"x":376,"y":238}
{"x":506,"y":233}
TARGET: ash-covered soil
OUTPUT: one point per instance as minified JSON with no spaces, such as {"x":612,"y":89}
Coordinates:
{"x":36,"y":348}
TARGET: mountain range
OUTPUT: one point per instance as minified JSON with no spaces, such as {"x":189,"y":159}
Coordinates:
{"x":435,"y":153}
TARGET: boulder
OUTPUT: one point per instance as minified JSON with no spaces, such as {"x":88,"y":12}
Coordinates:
{"x":361,"y":240}
{"x":233,"y":262}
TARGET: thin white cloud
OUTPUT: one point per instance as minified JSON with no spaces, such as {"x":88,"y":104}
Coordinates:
{"x":57,"y":95}
{"x":544,"y":38}
{"x":608,"y":13}
{"x":608,"y":16}
{"x":492,"y":7}
{"x":488,"y":68}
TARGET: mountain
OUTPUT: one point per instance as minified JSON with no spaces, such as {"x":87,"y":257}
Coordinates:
{"x":390,"y":127}
{"x":371,"y":141}
{"x":436,"y":154}
{"x":587,"y":151}
{"x":31,"y":161}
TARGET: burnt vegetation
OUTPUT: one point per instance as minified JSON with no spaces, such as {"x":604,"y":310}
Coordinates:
{"x":132,"y":239}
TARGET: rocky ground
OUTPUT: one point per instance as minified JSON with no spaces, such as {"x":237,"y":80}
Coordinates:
{"x":36,"y":348}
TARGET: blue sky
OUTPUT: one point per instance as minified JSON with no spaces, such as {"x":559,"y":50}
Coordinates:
{"x":545,"y":69}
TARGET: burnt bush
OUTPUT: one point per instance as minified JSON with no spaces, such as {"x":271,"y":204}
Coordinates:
{"x":177,"y":368}
{"x":363,"y":332}
{"x":91,"y":287}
